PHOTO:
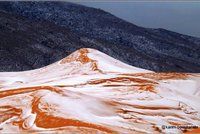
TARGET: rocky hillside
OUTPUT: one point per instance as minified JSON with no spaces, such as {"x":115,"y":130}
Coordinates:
{"x":35,"y":34}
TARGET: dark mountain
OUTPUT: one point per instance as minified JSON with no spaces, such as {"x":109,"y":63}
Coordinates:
{"x":29,"y":44}
{"x":35,"y":34}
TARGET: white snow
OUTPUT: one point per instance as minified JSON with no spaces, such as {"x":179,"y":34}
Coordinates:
{"x":65,"y":90}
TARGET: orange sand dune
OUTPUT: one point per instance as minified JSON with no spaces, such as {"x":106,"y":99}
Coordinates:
{"x":90,"y":92}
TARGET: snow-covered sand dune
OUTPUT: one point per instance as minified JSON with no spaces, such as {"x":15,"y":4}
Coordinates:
{"x":90,"y":92}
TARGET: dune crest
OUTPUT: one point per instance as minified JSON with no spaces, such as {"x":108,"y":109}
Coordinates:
{"x":90,"y":92}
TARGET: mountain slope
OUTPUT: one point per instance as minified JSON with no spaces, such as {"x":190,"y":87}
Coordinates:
{"x":96,"y":99}
{"x":29,"y":44}
{"x":154,"y":49}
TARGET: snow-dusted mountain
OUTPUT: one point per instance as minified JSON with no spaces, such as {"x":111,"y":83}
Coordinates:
{"x":90,"y":92}
{"x":35,"y":34}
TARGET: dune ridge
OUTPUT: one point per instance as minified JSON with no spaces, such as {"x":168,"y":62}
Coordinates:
{"x":90,"y":92}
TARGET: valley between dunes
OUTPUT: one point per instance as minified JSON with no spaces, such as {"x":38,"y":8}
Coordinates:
{"x":90,"y":92}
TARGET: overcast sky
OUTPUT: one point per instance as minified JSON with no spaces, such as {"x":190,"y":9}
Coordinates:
{"x":182,"y":17}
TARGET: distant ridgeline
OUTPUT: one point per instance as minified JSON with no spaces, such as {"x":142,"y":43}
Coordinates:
{"x":35,"y":34}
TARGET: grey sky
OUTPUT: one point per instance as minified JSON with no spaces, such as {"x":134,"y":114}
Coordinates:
{"x":182,"y":17}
